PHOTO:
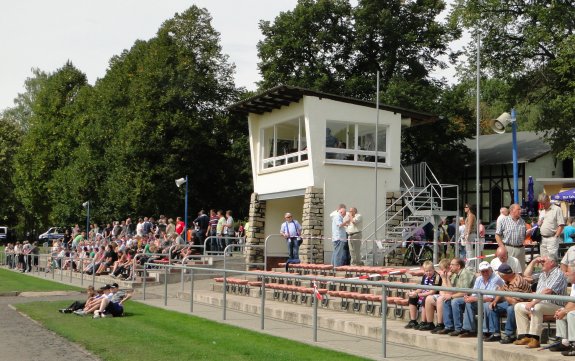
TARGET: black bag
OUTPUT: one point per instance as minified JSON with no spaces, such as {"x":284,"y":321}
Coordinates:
{"x":536,"y":235}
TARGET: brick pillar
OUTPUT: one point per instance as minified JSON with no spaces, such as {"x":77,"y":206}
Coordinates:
{"x":255,"y":234}
{"x":312,"y":226}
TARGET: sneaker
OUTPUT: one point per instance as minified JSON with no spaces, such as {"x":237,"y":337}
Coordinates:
{"x":80,"y":312}
{"x":456,"y":333}
{"x":96,"y":314}
{"x":505,"y":340}
{"x":62,"y":310}
{"x":569,"y":352}
{"x":103,"y":315}
{"x":493,"y":338}
{"x":559,"y":348}
{"x":445,"y":331}
{"x":411,"y":324}
{"x":428,"y":326}
{"x":439,"y":327}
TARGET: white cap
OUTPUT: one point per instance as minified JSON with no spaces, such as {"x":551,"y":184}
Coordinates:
{"x":484,"y":266}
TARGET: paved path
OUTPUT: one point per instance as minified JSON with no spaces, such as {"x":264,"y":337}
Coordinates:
{"x":23,"y":339}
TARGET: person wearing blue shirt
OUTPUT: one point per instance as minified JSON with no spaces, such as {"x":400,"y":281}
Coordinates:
{"x":338,"y":237}
{"x":568,"y":231}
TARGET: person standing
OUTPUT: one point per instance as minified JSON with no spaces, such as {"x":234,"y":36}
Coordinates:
{"x":503,"y":212}
{"x":569,"y":231}
{"x":338,"y":237}
{"x":229,"y":230}
{"x":291,"y":231}
{"x":551,"y":223}
{"x":353,"y":229}
{"x":511,"y":232}
{"x":202,"y":223}
{"x":470,"y":234}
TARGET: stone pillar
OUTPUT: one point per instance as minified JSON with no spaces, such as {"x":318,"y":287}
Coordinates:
{"x":255,"y":234}
{"x":311,"y":251}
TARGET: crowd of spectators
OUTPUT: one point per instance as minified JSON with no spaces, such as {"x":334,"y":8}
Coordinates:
{"x":115,"y":248}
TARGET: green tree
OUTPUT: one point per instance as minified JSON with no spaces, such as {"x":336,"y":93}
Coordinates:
{"x":529,"y":45}
{"x":165,"y":103}
{"x":21,"y":113}
{"x":47,"y":144}
{"x":10,"y":138}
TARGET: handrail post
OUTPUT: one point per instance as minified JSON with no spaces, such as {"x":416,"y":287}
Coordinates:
{"x":144,"y":282}
{"x":165,"y":286}
{"x":225,"y":292}
{"x":182,"y":276}
{"x":315,"y":301}
{"x":191,"y":290}
{"x":383,"y":321}
{"x":71,"y":266}
{"x":263,"y":303}
{"x":479,"y":326}
{"x":81,"y":271}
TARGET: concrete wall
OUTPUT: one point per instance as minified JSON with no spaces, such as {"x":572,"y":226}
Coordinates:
{"x":276,"y":208}
{"x":544,"y":167}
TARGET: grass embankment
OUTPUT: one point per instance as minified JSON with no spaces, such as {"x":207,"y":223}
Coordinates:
{"x":149,"y":334}
{"x":11,"y":281}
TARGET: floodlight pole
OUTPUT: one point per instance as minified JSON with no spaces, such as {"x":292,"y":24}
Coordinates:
{"x":515,"y":167}
{"x":87,"y":205}
{"x":186,"y":212}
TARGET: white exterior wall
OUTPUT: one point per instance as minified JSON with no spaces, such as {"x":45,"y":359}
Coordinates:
{"x":544,"y":167}
{"x":272,"y":180}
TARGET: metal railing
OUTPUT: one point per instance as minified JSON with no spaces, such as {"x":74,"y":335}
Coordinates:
{"x":384,"y":285}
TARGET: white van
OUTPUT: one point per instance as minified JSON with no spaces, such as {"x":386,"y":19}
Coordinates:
{"x":3,"y":235}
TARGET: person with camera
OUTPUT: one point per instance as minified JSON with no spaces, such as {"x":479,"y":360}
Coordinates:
{"x":291,"y":231}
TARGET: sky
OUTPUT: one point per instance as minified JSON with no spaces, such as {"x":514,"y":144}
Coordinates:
{"x":45,"y":34}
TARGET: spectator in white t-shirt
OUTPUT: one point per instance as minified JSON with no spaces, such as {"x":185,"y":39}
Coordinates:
{"x":502,"y":256}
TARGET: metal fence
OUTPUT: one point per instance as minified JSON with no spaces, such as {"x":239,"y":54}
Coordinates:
{"x":383,"y":285}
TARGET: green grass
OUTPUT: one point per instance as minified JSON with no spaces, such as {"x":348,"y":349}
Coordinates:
{"x":149,"y":334}
{"x":12,"y":281}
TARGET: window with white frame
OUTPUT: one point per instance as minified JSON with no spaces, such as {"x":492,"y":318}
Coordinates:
{"x":284,"y":143}
{"x":355,"y":142}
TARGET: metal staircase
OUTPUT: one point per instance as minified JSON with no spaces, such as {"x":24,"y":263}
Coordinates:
{"x":422,"y":199}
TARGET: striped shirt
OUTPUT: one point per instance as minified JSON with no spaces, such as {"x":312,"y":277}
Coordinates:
{"x":512,"y":231}
{"x":518,"y":284}
{"x":554,"y":280}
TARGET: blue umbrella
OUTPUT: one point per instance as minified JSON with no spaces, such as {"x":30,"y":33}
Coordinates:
{"x":566,"y":196}
{"x":530,"y":197}
{"x":530,"y":191}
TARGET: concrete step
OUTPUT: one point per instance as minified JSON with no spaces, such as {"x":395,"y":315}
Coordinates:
{"x":370,"y":327}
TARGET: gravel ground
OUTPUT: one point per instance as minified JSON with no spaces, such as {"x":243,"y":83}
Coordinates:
{"x":22,"y":339}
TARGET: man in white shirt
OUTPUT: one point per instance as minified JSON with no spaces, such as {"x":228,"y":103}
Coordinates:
{"x":503,"y":212}
{"x":551,"y":223}
{"x":502,"y":256}
{"x":353,"y":229}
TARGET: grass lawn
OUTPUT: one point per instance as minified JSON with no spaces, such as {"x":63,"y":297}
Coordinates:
{"x":149,"y":333}
{"x":12,"y":281}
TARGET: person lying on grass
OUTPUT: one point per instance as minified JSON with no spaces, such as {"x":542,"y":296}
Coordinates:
{"x":111,"y":303}
{"x":78,"y":305}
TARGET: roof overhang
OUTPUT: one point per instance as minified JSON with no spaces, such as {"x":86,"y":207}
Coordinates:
{"x":284,"y":95}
